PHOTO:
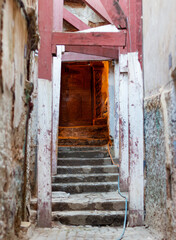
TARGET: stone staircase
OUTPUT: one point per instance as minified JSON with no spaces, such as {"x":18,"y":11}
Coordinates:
{"x":84,"y":191}
{"x":89,"y":185}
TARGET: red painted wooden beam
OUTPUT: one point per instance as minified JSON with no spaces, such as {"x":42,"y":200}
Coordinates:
{"x":58,"y":15}
{"x":98,"y":7}
{"x":95,"y":50}
{"x":74,"y":21}
{"x":115,"y":12}
{"x":117,"y":39}
{"x":45,"y":19}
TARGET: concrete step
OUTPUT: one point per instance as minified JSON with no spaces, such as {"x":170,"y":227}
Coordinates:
{"x":83,"y":187}
{"x":83,"y":161}
{"x":106,"y":201}
{"x":65,"y":178}
{"x":93,"y":218}
{"x":83,"y":154}
{"x":82,"y":141}
{"x":87,"y":169}
{"x":84,"y":131}
{"x":82,"y":148}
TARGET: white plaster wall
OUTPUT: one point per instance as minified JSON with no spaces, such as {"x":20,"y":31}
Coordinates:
{"x":86,"y":14}
{"x":159,"y":36}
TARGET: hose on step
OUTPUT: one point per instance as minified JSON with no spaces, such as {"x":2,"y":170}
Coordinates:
{"x":126,"y":199}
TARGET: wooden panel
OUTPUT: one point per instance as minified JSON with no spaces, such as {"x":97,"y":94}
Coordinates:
{"x":76,"y":96}
{"x":115,"y":12}
{"x":74,"y":21}
{"x":98,"y":7}
{"x":91,"y":39}
{"x":123,"y":123}
{"x":136,"y":142}
{"x":78,"y":57}
{"x":44,"y":152}
{"x":55,"y":106}
{"x":97,"y":51}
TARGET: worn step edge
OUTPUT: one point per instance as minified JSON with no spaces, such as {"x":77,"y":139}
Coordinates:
{"x":94,"y":218}
{"x":85,"y":184}
{"x":87,"y":166}
{"x":76,"y":217}
{"x":82,"y":148}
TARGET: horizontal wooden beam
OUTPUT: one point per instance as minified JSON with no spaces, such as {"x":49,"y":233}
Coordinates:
{"x":93,"y":50}
{"x":115,"y":12}
{"x":97,"y":6}
{"x":71,"y":56}
{"x":117,"y":39}
{"x":74,"y":21}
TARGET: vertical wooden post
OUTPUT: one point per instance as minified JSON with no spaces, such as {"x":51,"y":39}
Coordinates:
{"x":116,"y":80}
{"x":111,"y":99}
{"x":45,"y":19}
{"x":56,"y":104}
{"x":44,"y":152}
{"x":136,"y":142}
{"x":56,"y":78}
{"x":123,"y":122}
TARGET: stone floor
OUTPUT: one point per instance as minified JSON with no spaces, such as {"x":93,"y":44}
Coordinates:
{"x":63,"y":232}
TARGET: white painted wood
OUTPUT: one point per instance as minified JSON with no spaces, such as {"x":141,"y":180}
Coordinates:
{"x":105,"y":28}
{"x":111,"y":91}
{"x":136,"y":142}
{"x":123,"y":122}
{"x":56,"y":86}
{"x":44,"y":152}
{"x":116,"y":111}
{"x":78,"y":57}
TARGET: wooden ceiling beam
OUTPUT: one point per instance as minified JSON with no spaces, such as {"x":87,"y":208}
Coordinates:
{"x":95,"y":50}
{"x":116,"y":13}
{"x":115,"y":39}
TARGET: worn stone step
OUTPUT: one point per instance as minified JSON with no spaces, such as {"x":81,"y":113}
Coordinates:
{"x":65,"y":178}
{"x":82,"y":141}
{"x":87,"y":169}
{"x":84,"y":131}
{"x":83,"y":154}
{"x":82,"y":148}
{"x":83,"y":187}
{"x":83,"y":161}
{"x":94,"y":218}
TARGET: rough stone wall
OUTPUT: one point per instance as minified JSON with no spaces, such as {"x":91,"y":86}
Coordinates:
{"x":160,"y":156}
{"x":14,"y":50}
{"x":155,"y":163}
{"x":160,"y":115}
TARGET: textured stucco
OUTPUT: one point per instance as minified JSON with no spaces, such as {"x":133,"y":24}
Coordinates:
{"x":159,"y":45}
{"x":155,"y":163}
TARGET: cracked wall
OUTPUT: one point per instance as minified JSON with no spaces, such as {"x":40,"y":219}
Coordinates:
{"x":14,"y":49}
{"x":160,"y":115}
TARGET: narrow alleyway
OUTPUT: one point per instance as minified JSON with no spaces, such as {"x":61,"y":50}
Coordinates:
{"x":87,"y":120}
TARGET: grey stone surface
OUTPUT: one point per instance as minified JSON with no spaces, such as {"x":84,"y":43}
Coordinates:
{"x":63,"y":232}
{"x":87,"y":169}
{"x":99,"y":177}
{"x":84,"y":154}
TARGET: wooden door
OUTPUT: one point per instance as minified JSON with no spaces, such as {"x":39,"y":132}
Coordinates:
{"x":76,"y":96}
